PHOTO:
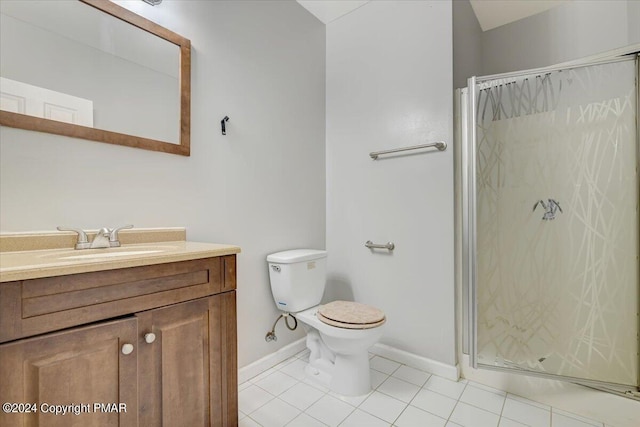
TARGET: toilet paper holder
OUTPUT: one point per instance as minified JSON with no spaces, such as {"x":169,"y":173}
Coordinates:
{"x":389,"y":245}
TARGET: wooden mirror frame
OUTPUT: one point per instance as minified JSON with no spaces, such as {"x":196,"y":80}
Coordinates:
{"x":23,"y":121}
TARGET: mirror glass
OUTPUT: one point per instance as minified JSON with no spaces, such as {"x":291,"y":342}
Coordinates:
{"x":81,"y":65}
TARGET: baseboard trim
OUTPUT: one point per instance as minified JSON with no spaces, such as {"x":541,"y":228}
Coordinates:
{"x":418,"y":362}
{"x":413,"y":360}
{"x":270,"y":360}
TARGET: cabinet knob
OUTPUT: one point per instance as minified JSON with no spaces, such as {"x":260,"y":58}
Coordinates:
{"x":127,"y":348}
{"x":149,"y":337}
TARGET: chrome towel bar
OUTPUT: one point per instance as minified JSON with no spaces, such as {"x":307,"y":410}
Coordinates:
{"x":440,"y":145}
{"x":390,"y":246}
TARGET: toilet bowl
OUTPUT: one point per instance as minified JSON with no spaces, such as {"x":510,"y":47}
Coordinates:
{"x":346,"y":349}
{"x":339,"y":333}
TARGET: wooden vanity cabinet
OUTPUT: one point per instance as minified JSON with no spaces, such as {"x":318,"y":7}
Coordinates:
{"x":181,"y":324}
{"x":189,"y":374}
{"x":83,"y":365}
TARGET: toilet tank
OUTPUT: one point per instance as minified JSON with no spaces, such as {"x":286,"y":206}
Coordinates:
{"x":297,"y":278}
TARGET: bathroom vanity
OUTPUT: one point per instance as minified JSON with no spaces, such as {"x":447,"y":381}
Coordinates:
{"x":142,"y":335}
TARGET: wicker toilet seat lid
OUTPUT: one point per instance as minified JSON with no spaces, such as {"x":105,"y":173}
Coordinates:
{"x":350,"y":315}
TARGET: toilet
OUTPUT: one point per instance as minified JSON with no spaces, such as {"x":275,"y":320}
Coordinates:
{"x":339,"y":333}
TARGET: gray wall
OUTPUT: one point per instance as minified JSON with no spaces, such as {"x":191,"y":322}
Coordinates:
{"x":389,"y":78}
{"x":568,"y":32}
{"x":467,"y":43}
{"x":261,"y":187}
{"x":633,"y":21}
{"x":571,"y":31}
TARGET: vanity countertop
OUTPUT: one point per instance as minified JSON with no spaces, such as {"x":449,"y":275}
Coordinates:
{"x":32,"y":264}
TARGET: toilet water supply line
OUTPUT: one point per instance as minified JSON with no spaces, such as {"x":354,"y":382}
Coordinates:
{"x":271,"y":335}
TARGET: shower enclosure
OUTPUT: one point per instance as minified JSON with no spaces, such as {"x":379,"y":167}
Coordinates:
{"x":551,"y":223}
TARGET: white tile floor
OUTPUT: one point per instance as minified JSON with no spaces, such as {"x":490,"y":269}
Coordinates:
{"x":402,"y":397}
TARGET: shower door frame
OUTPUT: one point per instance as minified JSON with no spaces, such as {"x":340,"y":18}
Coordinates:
{"x":468,"y":186}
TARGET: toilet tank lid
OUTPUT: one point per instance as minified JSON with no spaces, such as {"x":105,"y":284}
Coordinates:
{"x":296,"y":255}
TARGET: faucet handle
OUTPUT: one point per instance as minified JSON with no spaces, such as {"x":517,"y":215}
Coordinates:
{"x":83,"y":240}
{"x":114,"y":241}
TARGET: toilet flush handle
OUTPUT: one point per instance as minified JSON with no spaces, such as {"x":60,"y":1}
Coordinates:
{"x":275,"y":267}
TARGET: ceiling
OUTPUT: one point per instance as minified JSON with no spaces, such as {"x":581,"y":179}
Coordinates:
{"x":494,"y":13}
{"x":490,"y":13}
{"x":330,"y":10}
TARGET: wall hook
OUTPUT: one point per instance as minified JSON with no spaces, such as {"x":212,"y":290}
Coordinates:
{"x":222,"y":124}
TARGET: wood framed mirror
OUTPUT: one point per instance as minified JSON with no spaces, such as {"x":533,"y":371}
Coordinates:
{"x":94,"y":70}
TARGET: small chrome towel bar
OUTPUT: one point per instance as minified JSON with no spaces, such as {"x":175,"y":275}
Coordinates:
{"x":372,"y":245}
{"x":440,"y":145}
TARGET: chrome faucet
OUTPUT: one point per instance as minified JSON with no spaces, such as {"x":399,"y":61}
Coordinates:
{"x":105,"y":237}
{"x":102,"y":239}
{"x":114,"y":241}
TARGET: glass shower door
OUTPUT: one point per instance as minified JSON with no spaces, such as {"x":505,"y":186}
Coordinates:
{"x":554,"y":252}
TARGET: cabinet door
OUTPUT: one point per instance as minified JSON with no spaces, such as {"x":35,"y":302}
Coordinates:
{"x":74,"y":369}
{"x":183,"y":380}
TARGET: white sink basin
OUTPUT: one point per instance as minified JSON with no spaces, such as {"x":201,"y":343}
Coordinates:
{"x":107,"y":253}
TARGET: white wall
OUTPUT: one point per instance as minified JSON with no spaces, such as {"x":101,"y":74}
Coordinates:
{"x":261,"y":187}
{"x":389,"y":79}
